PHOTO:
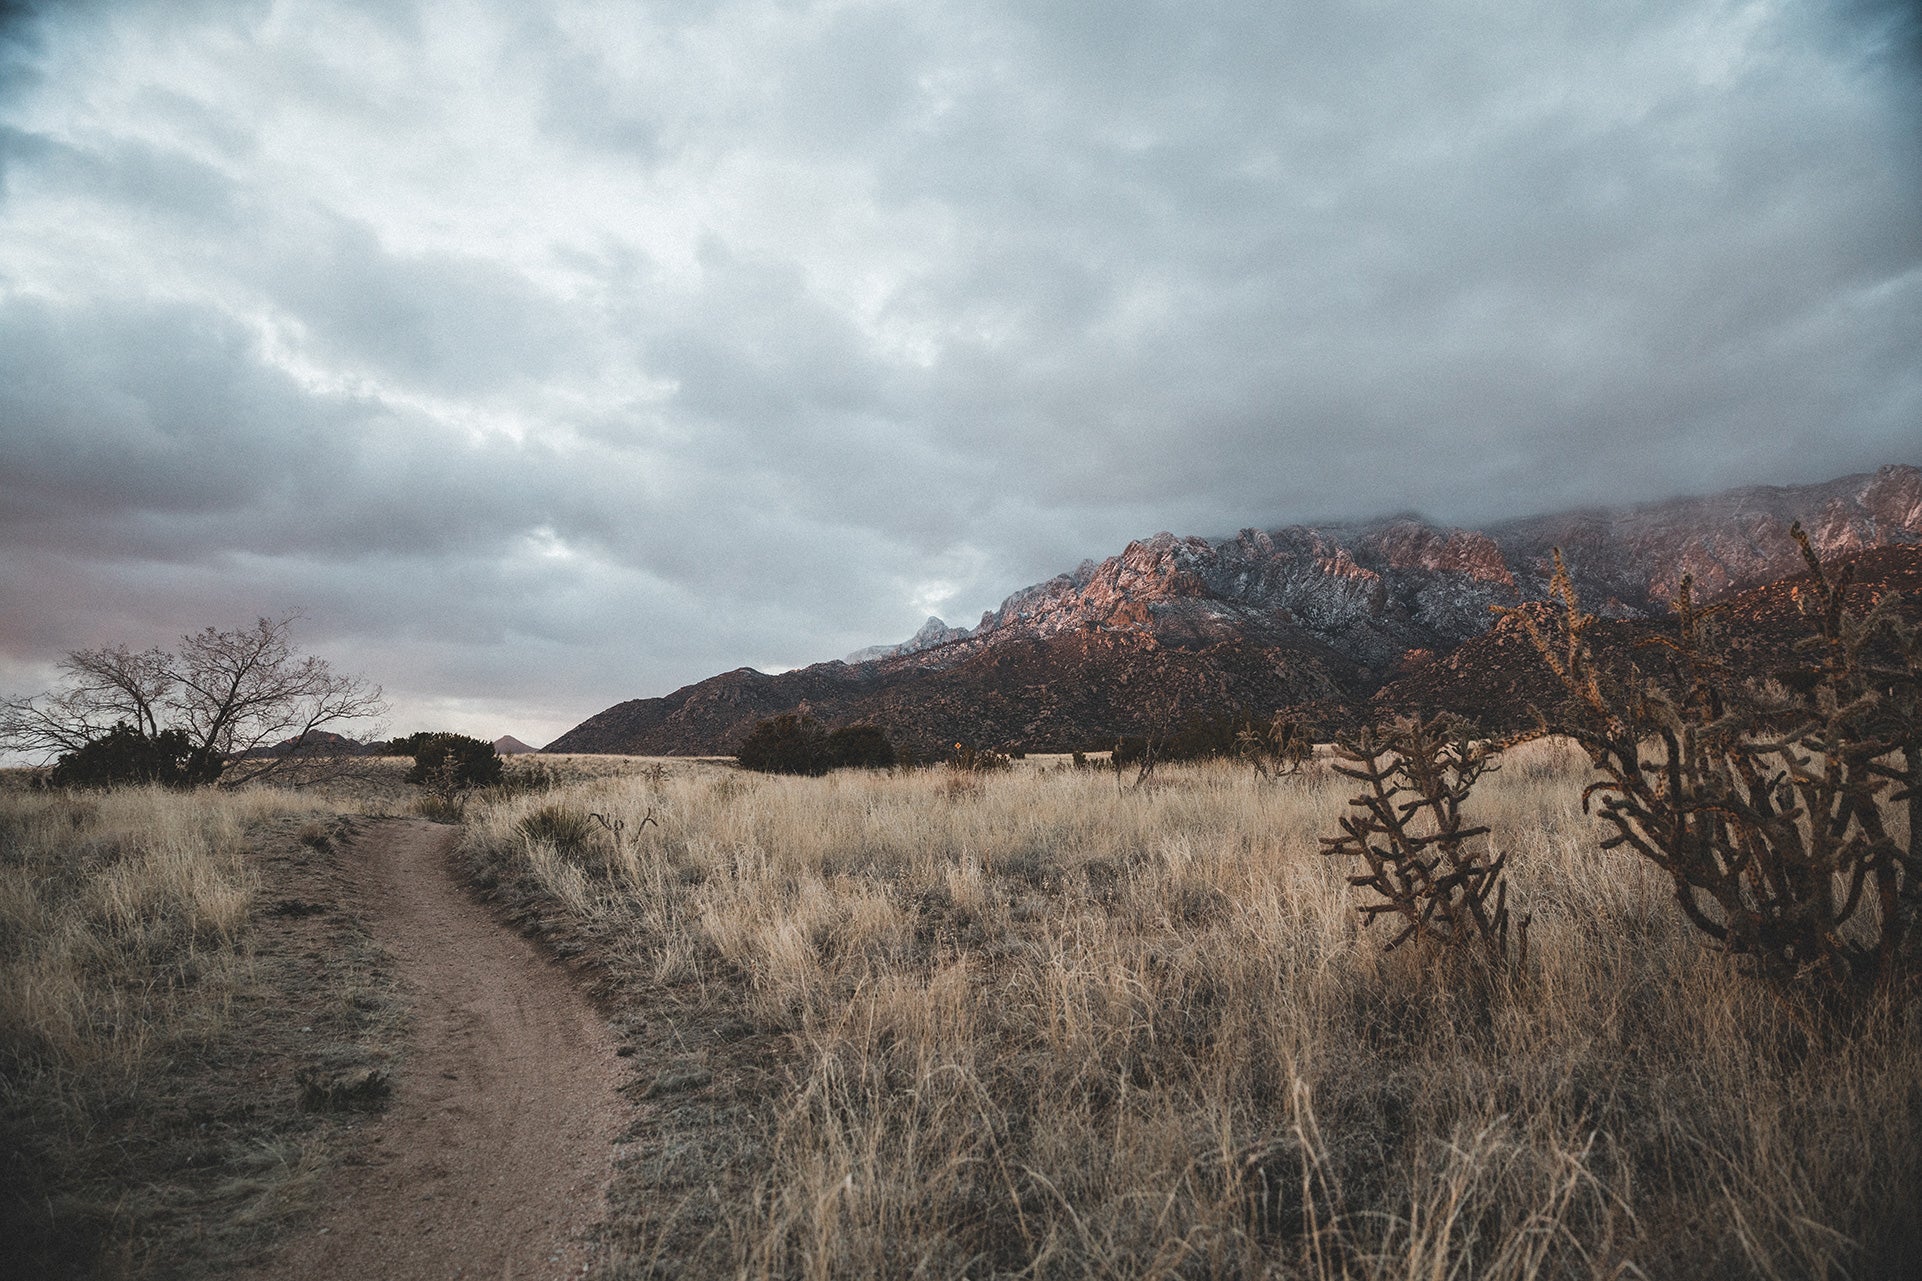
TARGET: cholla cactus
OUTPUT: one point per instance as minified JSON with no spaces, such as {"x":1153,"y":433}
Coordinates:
{"x":1759,"y":792}
{"x":1427,"y":869}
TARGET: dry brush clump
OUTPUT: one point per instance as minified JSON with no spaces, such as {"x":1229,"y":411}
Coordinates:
{"x":1045,"y":1029}
{"x":119,"y":913}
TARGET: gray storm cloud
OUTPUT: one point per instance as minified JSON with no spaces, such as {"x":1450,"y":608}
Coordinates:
{"x":551,"y":356}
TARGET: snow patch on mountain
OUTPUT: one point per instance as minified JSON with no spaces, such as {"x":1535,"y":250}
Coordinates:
{"x":933,"y":632}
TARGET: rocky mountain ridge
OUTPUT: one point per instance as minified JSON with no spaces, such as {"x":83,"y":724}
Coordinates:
{"x":1380,"y":588}
{"x":1325,"y":614}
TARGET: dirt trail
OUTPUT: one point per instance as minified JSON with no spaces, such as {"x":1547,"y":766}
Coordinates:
{"x":493,"y":1154}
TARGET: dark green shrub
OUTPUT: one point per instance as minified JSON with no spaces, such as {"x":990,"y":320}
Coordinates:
{"x":860,"y":747}
{"x":794,"y":744}
{"x":785,"y":744}
{"x":124,"y":755}
{"x":447,"y":763}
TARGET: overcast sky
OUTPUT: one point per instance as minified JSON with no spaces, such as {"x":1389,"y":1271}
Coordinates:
{"x":551,"y":355}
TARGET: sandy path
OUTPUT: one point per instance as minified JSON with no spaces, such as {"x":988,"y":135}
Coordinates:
{"x":493,"y":1154}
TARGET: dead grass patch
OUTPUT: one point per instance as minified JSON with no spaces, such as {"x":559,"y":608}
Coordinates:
{"x":158,"y":1000}
{"x":1032,"y":1027}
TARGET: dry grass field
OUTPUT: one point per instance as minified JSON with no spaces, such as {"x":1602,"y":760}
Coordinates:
{"x":184,"y":979}
{"x":942,"y":1025}
{"x":170,"y":964}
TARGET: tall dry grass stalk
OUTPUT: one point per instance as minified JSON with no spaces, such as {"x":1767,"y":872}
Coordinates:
{"x":1039,"y":1028}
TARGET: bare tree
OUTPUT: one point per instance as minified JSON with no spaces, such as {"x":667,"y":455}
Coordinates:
{"x":104,"y":688}
{"x":232,"y":693}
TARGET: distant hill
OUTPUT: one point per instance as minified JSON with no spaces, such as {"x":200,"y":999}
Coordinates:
{"x":318,"y":742}
{"x":508,"y":745}
{"x":1356,"y":617}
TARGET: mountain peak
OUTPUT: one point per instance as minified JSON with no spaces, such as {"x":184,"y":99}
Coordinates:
{"x":934,"y":632}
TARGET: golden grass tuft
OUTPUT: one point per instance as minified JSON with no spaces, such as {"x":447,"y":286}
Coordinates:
{"x":122,"y":916}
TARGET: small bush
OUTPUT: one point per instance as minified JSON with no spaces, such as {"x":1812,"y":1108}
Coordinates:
{"x":1286,"y":745}
{"x":977,"y":760}
{"x":785,"y":744}
{"x":567,"y":830}
{"x":439,"y":808}
{"x":859,"y":747}
{"x":327,"y":1087}
{"x":125,"y":755}
{"x":794,"y":744}
{"x":449,"y":763}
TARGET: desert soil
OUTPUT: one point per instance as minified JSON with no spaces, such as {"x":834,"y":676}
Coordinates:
{"x":492,"y":1156}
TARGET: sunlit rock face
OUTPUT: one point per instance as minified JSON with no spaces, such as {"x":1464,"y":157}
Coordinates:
{"x":1639,"y":556}
{"x":1173,"y":625}
{"x":1377,"y":590}
{"x":1498,"y":680}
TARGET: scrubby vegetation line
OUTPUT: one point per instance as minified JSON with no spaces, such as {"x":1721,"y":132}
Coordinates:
{"x":1032,"y":1026}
